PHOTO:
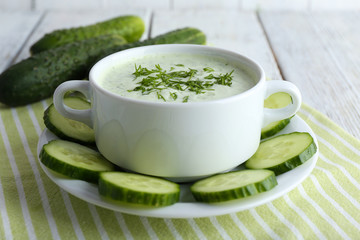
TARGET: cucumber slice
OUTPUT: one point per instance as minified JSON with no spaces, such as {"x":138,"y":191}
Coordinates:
{"x":283,"y":153}
{"x":138,"y":189}
{"x":74,"y":160}
{"x":276,"y":100}
{"x":233,"y":185}
{"x":273,"y":128}
{"x":66,"y":128}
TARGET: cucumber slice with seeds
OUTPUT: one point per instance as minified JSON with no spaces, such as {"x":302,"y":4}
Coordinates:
{"x":138,"y":189}
{"x":276,"y":100}
{"x":233,"y":185}
{"x":66,"y":128}
{"x":283,"y":153}
{"x":74,"y":160}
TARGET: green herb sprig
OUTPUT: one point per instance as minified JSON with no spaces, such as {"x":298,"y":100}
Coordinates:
{"x":158,"y":79}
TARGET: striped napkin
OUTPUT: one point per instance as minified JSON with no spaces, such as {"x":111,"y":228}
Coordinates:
{"x":325,"y":206}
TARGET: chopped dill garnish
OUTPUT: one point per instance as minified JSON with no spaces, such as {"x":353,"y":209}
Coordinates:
{"x":173,"y":95}
{"x":208,"y":69}
{"x":160,"y":96}
{"x":157,"y":79}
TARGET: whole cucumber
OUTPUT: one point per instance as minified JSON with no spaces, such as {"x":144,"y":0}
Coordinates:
{"x":37,"y":77}
{"x":180,"y":36}
{"x":129,"y":27}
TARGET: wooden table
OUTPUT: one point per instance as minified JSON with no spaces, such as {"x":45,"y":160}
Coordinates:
{"x":319,"y":52}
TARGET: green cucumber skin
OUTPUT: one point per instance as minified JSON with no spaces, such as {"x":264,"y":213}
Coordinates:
{"x":179,"y":36}
{"x":228,"y":195}
{"x":276,"y":101}
{"x":291,"y":163}
{"x":131,"y":28}
{"x":112,"y":192}
{"x":37,"y":77}
{"x":60,"y":134}
{"x":67,"y":169}
{"x":295,"y":161}
{"x":280,"y":126}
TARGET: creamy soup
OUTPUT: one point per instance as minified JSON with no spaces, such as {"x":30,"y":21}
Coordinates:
{"x":176,"y":78}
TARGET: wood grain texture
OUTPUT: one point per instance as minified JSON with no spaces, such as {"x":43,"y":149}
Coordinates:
{"x":321,"y":54}
{"x":25,"y":5}
{"x":137,"y":4}
{"x":231,"y":30}
{"x":65,"y":19}
{"x":101,"y":4}
{"x":15,"y":29}
{"x":67,"y":4}
{"x":334,"y":5}
{"x":206,"y":4}
{"x":298,"y":5}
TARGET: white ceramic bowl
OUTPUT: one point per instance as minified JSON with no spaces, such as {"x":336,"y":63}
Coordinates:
{"x":180,"y":141}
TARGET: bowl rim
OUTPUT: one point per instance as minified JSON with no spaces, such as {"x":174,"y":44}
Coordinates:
{"x":177,"y":48}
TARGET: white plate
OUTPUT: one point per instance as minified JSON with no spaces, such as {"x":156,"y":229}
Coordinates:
{"x":187,"y":207}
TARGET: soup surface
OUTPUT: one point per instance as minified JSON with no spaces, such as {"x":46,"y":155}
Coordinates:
{"x":176,"y":78}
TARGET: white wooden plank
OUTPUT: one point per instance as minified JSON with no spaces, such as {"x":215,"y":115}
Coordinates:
{"x":341,"y":33}
{"x":206,"y":4}
{"x":181,"y":4}
{"x":65,"y":19}
{"x":321,"y":55}
{"x":100,"y":4}
{"x":16,"y":5}
{"x":297,"y":5}
{"x":337,"y":5}
{"x":15,"y":29}
{"x":232,"y":30}
{"x":153,"y":4}
{"x":67,"y":4}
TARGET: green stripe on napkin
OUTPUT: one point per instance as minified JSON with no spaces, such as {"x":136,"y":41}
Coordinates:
{"x":325,"y":205}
